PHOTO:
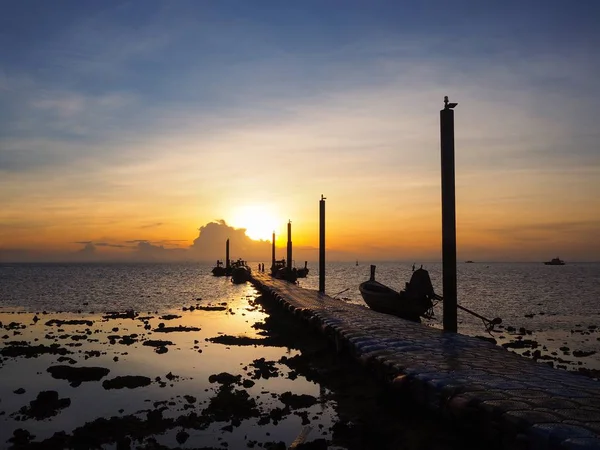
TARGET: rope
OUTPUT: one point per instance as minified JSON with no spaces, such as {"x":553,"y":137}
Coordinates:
{"x":489,"y":324}
{"x":341,"y":292}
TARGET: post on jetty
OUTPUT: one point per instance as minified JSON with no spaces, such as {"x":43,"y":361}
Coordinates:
{"x":227,"y":263}
{"x":448,"y":217}
{"x":289,"y":247}
{"x":322,"y":244}
{"x":273,"y":253}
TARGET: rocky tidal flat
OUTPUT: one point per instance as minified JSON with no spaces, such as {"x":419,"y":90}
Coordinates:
{"x":238,"y":373}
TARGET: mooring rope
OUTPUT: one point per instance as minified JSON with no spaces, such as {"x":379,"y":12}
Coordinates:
{"x":489,"y":324}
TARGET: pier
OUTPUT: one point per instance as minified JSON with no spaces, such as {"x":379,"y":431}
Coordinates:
{"x":502,"y":397}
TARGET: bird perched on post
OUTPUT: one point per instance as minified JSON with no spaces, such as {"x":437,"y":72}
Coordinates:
{"x":448,"y":105}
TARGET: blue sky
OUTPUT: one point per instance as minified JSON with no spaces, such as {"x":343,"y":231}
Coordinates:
{"x":103,"y":101}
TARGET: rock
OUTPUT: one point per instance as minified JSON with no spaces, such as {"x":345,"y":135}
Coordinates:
{"x":230,"y":404}
{"x":76,"y":375}
{"x":169,"y":317}
{"x":190,"y":398}
{"x":171,"y":377}
{"x":60,"y":323}
{"x":225,"y":378}
{"x":126,"y":381}
{"x":32,"y":351}
{"x":212,"y":308}
{"x":582,"y":353}
{"x":19,"y":391}
{"x":264,"y":369}
{"x":156,"y":343}
{"x":47,"y":404}
{"x":163,"y":329}
{"x":181,"y":437}
{"x":21,"y":437}
{"x":317,"y":444}
{"x":297,"y":401}
{"x":124,"y":443}
{"x":129,"y":314}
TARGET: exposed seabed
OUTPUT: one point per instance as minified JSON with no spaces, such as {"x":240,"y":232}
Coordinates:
{"x":235,"y":374}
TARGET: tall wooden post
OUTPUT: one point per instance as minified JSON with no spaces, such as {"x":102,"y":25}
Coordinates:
{"x":227,"y":264}
{"x":273,"y":253}
{"x":448,"y":217}
{"x":322,"y":245}
{"x":289,"y":247}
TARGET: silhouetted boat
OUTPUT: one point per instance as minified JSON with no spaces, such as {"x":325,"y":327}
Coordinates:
{"x":413,"y":302}
{"x":279,"y":264}
{"x":301,"y":273}
{"x":219,"y":270}
{"x":469,"y":262}
{"x":280,"y":271}
{"x":286,"y":274}
{"x":240,"y":272}
{"x":555,"y":262}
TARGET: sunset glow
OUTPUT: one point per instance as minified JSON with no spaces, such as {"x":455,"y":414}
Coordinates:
{"x":258,"y":220}
{"x":127,"y":127}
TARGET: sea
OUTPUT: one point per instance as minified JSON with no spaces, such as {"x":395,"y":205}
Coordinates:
{"x":53,"y":318}
{"x":559,"y":305}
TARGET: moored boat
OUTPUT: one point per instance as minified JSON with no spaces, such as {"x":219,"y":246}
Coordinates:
{"x":301,"y":273}
{"x":219,"y":270}
{"x":277,"y":266}
{"x":240,"y":272}
{"x":411,"y":303}
{"x":280,"y":271}
{"x":555,"y":262}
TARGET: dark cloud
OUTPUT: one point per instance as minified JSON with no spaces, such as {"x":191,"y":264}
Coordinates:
{"x":210,"y":244}
{"x":146,"y":251}
{"x":88,"y":249}
{"x":106,"y":244}
{"x":171,"y":241}
{"x":152,"y":225}
{"x":208,"y":247}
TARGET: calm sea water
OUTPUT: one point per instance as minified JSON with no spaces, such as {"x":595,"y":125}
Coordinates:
{"x":560,"y":298}
{"x":557,"y":307}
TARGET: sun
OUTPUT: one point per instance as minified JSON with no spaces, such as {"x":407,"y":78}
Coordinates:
{"x":258,"y":220}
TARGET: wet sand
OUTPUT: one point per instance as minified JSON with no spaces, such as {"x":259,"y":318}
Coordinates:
{"x":232,"y":374}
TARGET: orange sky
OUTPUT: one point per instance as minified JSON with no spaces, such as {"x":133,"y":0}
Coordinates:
{"x":113,"y":140}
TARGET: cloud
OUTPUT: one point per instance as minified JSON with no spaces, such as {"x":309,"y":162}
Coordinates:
{"x":88,"y":249}
{"x":111,"y":114}
{"x":152,"y":225}
{"x":106,"y":244}
{"x":210,"y":243}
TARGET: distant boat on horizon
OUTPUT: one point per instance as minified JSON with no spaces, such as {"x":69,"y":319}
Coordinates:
{"x":555,"y":262}
{"x":469,"y":262}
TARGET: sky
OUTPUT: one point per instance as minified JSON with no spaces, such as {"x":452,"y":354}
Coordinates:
{"x":154,"y":130}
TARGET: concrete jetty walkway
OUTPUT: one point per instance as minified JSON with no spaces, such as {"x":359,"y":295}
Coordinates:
{"x":507,"y":398}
